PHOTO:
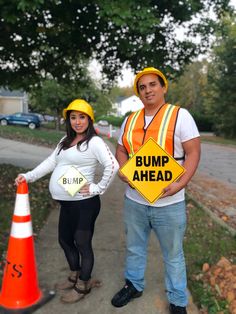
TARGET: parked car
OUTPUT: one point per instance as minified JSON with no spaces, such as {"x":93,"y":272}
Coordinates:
{"x":42,"y":118}
{"x":21,"y":118}
{"x":103,"y":123}
{"x":49,"y":118}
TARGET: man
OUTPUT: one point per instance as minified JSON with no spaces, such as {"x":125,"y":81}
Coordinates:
{"x":175,"y":130}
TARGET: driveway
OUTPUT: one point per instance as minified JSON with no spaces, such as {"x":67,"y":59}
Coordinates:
{"x":21,"y":154}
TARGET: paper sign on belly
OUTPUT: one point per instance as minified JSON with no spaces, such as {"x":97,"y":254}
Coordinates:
{"x":72,"y":181}
{"x":151,"y":169}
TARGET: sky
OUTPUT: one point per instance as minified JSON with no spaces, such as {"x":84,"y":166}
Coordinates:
{"x":125,"y":80}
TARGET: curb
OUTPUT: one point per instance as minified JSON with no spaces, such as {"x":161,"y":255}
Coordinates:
{"x":231,"y":230}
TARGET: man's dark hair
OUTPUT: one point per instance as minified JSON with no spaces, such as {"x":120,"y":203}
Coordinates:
{"x":161,"y":81}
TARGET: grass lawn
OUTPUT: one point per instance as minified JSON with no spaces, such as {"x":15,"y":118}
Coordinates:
{"x":217,"y":140}
{"x":41,"y":136}
{"x":205,"y":240}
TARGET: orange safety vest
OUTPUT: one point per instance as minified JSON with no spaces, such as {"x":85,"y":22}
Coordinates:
{"x":161,"y":129}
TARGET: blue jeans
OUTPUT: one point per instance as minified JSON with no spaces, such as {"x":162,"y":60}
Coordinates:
{"x":169,"y":224}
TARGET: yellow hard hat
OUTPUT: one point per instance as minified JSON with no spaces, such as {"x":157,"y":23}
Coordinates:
{"x":150,"y":70}
{"x":79,"y":105}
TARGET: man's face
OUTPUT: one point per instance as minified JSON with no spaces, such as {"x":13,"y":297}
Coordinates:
{"x":150,"y":90}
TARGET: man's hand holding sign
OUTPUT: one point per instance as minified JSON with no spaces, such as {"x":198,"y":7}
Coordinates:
{"x":151,"y":171}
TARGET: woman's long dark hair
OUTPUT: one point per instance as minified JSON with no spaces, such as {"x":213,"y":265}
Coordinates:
{"x":71,"y":134}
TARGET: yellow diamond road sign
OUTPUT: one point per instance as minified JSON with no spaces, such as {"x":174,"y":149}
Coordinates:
{"x":151,"y":169}
{"x":72,"y":181}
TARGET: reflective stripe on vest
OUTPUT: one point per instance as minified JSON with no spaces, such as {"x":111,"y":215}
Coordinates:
{"x":161,"y":129}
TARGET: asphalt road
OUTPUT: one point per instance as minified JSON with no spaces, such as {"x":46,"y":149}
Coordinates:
{"x":22,"y":154}
{"x":217,"y":161}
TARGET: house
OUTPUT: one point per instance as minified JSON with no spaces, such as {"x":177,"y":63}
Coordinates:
{"x":128,"y":104}
{"x":13,"y":101}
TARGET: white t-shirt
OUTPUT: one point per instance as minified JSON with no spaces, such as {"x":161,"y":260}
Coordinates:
{"x":85,"y":160}
{"x":185,"y":130}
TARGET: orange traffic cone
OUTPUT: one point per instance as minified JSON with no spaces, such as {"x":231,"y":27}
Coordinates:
{"x":20,"y":288}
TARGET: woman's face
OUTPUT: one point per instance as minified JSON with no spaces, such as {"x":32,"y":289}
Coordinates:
{"x":79,"y":121}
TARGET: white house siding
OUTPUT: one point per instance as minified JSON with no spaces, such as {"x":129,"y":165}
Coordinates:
{"x":11,"y":102}
{"x":132,"y":103}
{"x":10,"y":105}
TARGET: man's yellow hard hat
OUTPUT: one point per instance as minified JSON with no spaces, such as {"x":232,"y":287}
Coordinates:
{"x":145,"y":71}
{"x":79,"y":105}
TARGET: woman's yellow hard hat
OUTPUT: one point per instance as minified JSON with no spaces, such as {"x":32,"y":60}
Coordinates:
{"x":79,"y":105}
{"x":145,"y":71}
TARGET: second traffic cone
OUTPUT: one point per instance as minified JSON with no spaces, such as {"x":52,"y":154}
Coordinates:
{"x":20,"y":281}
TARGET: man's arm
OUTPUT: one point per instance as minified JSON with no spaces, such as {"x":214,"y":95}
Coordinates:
{"x":122,"y":157}
{"x":192,"y":151}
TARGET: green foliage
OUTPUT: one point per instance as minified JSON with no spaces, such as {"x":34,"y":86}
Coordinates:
{"x":115,"y":121}
{"x":204,"y":122}
{"x":208,"y":300}
{"x":206,"y":242}
{"x":40,"y":136}
{"x":117,"y":91}
{"x":51,"y":39}
{"x":218,"y":140}
{"x":222,"y":77}
{"x":190,"y":88}
{"x":207,"y":88}
{"x":51,"y":97}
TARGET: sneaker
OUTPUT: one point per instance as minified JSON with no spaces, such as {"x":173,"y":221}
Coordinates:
{"x":126,"y":294}
{"x":174,"y":309}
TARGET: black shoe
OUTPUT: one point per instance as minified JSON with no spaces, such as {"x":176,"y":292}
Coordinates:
{"x":174,"y":309}
{"x":127,"y":293}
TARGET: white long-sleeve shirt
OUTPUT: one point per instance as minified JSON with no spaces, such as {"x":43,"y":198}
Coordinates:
{"x":85,"y":160}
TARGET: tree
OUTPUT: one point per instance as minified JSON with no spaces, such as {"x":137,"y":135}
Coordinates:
{"x":51,"y":97}
{"x":117,"y":91}
{"x":222,"y":78}
{"x":189,"y":89}
{"x":50,"y":39}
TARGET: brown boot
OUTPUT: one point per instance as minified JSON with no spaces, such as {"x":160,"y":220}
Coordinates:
{"x":79,"y":291}
{"x":69,"y":282}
